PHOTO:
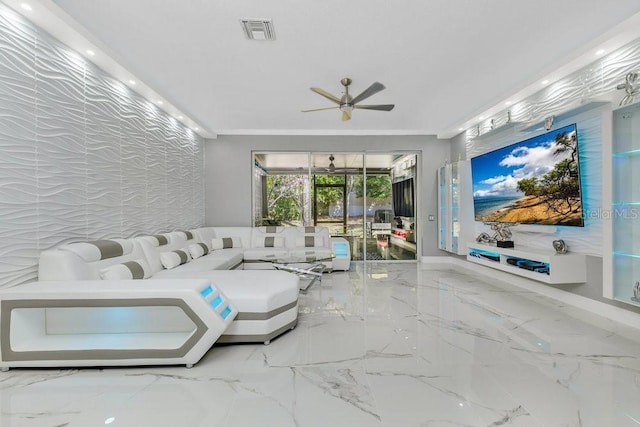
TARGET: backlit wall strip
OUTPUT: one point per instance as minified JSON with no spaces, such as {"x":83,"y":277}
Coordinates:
{"x":81,"y":155}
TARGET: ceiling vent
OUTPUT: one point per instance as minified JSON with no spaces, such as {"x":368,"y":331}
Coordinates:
{"x":258,"y":29}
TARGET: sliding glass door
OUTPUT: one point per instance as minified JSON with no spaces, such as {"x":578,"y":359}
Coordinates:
{"x":367,"y":198}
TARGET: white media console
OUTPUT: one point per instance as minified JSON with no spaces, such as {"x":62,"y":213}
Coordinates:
{"x":537,"y":264}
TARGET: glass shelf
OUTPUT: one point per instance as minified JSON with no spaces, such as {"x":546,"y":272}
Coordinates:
{"x":630,"y":153}
{"x":626,"y":254}
{"x":625,"y":212}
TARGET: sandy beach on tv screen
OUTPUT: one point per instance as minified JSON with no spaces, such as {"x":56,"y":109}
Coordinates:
{"x":533,"y":210}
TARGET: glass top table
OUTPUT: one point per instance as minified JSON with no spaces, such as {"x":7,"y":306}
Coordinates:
{"x":309,"y":268}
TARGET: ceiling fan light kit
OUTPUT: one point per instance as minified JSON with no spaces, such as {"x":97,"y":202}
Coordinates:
{"x":346,"y":103}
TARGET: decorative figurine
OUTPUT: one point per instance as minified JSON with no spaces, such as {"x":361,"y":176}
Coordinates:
{"x":501,"y":235}
{"x":636,"y":292}
{"x":560,"y":246}
{"x":630,"y":89}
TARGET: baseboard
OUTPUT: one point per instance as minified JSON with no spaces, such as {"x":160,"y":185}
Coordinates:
{"x":591,"y":307}
{"x":437,"y":259}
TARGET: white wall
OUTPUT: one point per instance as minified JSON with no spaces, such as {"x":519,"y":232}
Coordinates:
{"x":229,"y":172}
{"x":82,"y":157}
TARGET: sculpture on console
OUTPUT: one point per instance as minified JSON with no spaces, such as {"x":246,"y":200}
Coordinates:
{"x":501,"y":236}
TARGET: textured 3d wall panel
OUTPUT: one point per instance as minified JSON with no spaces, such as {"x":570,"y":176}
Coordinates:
{"x":81,"y":155}
{"x":595,"y":82}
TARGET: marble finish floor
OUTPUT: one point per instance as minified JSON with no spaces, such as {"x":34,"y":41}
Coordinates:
{"x":382,"y":345}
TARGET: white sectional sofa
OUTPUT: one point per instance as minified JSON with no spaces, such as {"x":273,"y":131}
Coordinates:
{"x":260,"y":244}
{"x":266,"y":300}
{"x":199,"y":292}
{"x":273,"y":293}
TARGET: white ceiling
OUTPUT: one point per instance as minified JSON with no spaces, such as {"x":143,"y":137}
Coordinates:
{"x":444,"y":62}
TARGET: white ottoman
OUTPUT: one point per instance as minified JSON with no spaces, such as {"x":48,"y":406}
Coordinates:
{"x":266,"y":300}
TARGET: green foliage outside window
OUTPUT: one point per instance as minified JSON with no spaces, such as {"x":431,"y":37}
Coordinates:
{"x":285,"y":200}
{"x":285,"y":193}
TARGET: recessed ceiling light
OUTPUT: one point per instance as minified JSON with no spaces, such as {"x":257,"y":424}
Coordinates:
{"x":180,"y":117}
{"x":481,"y":118}
{"x":460,"y":129}
{"x":600,"y":52}
{"x":132,"y":82}
{"x":160,"y":102}
{"x":90,"y":52}
{"x":26,"y":7}
{"x":507,"y":103}
{"x":196,"y":128}
{"x":544,"y":82}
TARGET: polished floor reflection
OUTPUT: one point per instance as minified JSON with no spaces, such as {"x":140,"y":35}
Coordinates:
{"x":382,"y":345}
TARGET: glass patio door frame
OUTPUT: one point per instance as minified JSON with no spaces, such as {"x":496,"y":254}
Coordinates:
{"x":342,"y":186}
{"x":310,"y":174}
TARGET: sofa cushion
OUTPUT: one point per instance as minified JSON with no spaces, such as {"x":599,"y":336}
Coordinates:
{"x":198,"y":249}
{"x":156,"y":240}
{"x":204,"y":235}
{"x":172,"y":259}
{"x":311,"y":253}
{"x":270,"y":229}
{"x":230,"y":258}
{"x":268,"y":242}
{"x":255,"y":291}
{"x":254,"y":254}
{"x":100,"y":249}
{"x":200,"y":266}
{"x":225,"y":243}
{"x":310,"y":241}
{"x":138,"y":269}
{"x":188,"y":235}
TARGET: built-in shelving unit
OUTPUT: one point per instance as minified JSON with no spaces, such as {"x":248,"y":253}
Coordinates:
{"x":455,"y":207}
{"x":625,"y":218}
{"x":541,"y":265}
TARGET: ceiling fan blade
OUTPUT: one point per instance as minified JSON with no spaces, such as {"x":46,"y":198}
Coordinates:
{"x":326,"y":94}
{"x":371,"y":90}
{"x":381,"y":107}
{"x":346,"y":115}
{"x":321,"y":109}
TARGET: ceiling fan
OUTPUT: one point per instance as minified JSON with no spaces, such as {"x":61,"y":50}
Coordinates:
{"x":347,"y":103}
{"x":332,"y":167}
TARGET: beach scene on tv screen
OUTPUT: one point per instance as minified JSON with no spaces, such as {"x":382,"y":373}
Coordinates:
{"x":536,"y":181}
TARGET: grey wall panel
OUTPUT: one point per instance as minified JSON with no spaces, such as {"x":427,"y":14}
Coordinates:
{"x":81,"y":155}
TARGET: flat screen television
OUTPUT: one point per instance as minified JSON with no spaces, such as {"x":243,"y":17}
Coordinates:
{"x":402,"y":195}
{"x":535,"y":181}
